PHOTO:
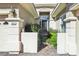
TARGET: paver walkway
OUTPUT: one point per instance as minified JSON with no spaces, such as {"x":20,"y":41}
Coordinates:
{"x":47,"y":51}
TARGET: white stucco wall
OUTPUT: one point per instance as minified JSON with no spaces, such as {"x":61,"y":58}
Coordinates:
{"x":53,"y":25}
{"x":9,"y":36}
{"x":71,"y":35}
{"x":71,"y":46}
{"x":27,"y":17}
{"x":12,"y":40}
{"x":66,"y":42}
{"x":58,"y":25}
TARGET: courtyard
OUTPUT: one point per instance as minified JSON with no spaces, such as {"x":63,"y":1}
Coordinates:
{"x":29,"y":29}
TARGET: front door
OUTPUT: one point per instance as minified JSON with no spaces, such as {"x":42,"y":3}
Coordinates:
{"x":44,"y":24}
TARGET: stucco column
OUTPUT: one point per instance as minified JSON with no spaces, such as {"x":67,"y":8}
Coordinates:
{"x":77,"y":36}
{"x":71,"y":45}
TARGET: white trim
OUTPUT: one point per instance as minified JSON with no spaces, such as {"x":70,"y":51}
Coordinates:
{"x":55,"y":9}
{"x":71,"y":19}
{"x":12,"y":18}
{"x":73,"y":7}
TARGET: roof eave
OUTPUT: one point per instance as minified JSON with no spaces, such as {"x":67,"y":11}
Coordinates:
{"x":57,"y":11}
{"x":30,"y":8}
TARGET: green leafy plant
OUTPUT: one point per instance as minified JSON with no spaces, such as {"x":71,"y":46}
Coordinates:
{"x":35,"y":27}
{"x":52,"y":40}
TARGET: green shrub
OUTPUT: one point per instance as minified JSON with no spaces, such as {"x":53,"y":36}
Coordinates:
{"x":35,"y":27}
{"x":52,"y":40}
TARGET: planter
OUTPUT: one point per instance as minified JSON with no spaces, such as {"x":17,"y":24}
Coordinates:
{"x":29,"y":40}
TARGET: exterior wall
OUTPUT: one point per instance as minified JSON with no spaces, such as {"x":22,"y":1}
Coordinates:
{"x":69,"y":14}
{"x":27,"y":17}
{"x":71,"y":36}
{"x":69,"y":41}
{"x":9,"y":36}
{"x":77,"y":32}
{"x":8,"y":7}
{"x":52,"y":23}
{"x":6,"y":11}
{"x":14,"y":43}
{"x":20,"y":11}
{"x":59,"y":25}
{"x":66,"y":46}
{"x":77,"y":36}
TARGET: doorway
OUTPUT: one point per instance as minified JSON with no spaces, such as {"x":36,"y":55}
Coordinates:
{"x":44,"y":20}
